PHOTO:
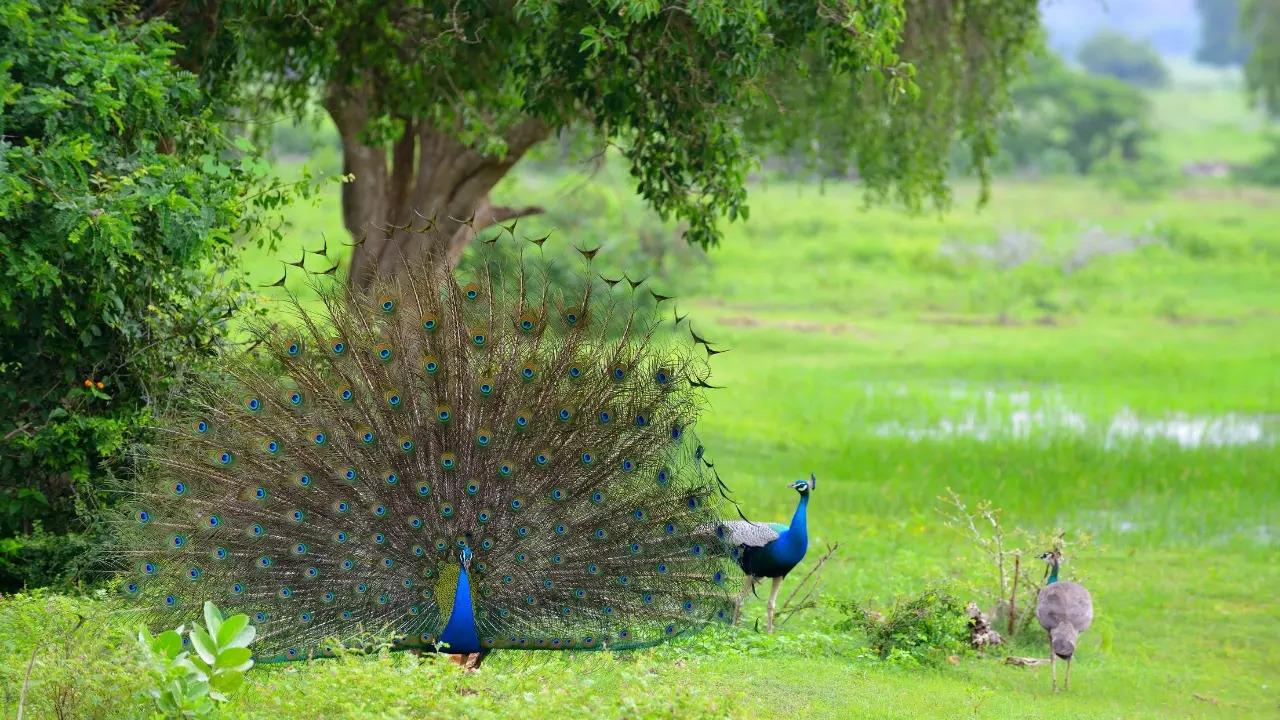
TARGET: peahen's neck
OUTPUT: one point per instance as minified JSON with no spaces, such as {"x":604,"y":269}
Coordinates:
{"x":1053,"y":574}
{"x":460,"y":632}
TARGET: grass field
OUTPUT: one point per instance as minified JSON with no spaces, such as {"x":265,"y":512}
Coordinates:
{"x":1087,"y":363}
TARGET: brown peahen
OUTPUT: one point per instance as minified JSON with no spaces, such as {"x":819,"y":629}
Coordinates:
{"x":1065,"y":609}
{"x":493,"y":458}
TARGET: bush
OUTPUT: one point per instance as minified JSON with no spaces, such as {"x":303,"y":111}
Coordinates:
{"x":1117,"y":55}
{"x":1265,"y":170}
{"x":924,"y":629}
{"x":1060,"y":112}
{"x":120,"y":199}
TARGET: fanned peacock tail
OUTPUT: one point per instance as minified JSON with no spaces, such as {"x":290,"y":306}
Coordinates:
{"x":543,"y":425}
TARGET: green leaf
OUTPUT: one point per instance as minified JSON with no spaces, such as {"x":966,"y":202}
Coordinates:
{"x":227,"y":682}
{"x":167,"y":643}
{"x":241,"y":638}
{"x":234,"y":658}
{"x":229,"y":629}
{"x":204,"y":645}
{"x":212,"y":617}
{"x":243,"y":144}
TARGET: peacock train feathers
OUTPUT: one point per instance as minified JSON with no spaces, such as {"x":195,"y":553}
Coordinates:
{"x":489,"y":459}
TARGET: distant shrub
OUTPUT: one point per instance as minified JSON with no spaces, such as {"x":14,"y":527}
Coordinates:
{"x":1265,"y":170}
{"x":1064,"y":121}
{"x":925,"y":629}
{"x":1119,"y":56}
{"x":1144,"y":178}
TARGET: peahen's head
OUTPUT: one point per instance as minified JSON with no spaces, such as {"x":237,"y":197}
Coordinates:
{"x":1051,"y":557}
{"x":804,"y":486}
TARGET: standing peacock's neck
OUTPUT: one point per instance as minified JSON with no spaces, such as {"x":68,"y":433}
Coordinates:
{"x":1053,"y":574}
{"x":798,"y":532}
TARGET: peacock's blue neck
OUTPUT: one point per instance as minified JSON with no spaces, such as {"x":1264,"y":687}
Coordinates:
{"x":1053,"y":575}
{"x":797,"y":535}
{"x":460,"y":632}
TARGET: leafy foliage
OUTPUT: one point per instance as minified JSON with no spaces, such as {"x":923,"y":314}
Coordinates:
{"x":688,"y":90}
{"x":1064,"y":112}
{"x":1117,"y":55}
{"x":1220,"y":40}
{"x":120,"y":199}
{"x":1261,"y":18}
{"x":72,"y":659}
{"x":1265,"y":170}
{"x":187,"y":686}
{"x":922,"y":629}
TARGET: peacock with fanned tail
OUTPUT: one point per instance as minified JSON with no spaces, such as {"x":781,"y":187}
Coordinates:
{"x":496,"y":458}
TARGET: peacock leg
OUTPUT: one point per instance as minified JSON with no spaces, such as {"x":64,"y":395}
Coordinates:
{"x":1066,"y":682}
{"x":1053,"y":669}
{"x":459,"y":660}
{"x":773,"y":599}
{"x":742,"y":597}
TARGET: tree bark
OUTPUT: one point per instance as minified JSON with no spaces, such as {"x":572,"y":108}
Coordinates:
{"x":422,"y":199}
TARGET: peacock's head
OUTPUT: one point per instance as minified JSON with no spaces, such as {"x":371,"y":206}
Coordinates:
{"x":464,"y":557}
{"x":804,"y":486}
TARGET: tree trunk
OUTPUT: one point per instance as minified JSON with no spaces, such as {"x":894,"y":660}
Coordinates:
{"x":423,"y":198}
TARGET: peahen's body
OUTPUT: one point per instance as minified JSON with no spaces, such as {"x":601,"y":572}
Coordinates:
{"x":770,"y":550}
{"x":1065,"y":610}
{"x":491,"y":461}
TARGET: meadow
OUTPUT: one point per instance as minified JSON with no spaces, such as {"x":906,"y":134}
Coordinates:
{"x":1088,"y":363}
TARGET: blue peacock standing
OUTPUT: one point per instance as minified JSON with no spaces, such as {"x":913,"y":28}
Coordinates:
{"x":769,"y":550}
{"x":497,"y":460}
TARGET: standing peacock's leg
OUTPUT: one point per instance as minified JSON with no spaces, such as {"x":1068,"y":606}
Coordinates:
{"x":742,"y":597}
{"x":1066,"y":682}
{"x":1053,"y":669}
{"x":459,"y":660}
{"x":773,"y":599}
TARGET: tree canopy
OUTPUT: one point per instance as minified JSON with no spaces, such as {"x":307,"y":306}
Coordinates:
{"x":1220,"y":39}
{"x":1260,"y":21}
{"x":435,"y":102}
{"x":1119,"y":56}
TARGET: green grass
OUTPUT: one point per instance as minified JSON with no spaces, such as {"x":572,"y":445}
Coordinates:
{"x":855,"y":341}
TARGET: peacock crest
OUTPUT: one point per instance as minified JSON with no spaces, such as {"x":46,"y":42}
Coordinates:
{"x":514,"y":430}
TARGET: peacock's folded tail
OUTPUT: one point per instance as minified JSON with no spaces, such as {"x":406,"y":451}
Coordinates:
{"x":540,"y":418}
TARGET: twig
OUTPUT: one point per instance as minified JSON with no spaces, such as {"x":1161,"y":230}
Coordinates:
{"x":22,"y":699}
{"x":15,"y":431}
{"x":1017,"y":561}
{"x":831,"y":549}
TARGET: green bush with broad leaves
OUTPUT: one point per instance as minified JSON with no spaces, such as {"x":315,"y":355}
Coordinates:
{"x":121,"y":201}
{"x":186,"y":685}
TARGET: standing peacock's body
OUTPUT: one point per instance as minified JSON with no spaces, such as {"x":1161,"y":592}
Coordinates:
{"x":499,"y":460}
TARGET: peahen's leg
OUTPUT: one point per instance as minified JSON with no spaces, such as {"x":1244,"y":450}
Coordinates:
{"x":1053,"y":669}
{"x":742,"y":597}
{"x":1066,"y":682}
{"x":773,"y":599}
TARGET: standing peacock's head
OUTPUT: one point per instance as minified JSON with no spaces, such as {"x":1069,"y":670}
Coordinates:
{"x":804,"y":486}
